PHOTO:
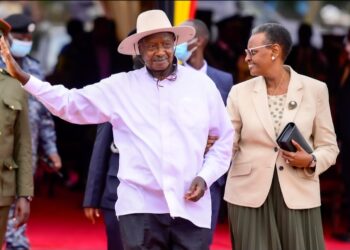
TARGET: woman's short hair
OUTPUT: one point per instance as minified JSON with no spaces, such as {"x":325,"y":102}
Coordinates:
{"x":276,"y":33}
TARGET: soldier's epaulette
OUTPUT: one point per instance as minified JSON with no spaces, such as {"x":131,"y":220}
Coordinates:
{"x":34,"y":59}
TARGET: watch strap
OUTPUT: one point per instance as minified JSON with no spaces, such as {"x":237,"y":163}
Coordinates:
{"x":313,"y":161}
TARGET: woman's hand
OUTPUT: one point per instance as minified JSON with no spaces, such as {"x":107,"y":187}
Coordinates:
{"x":300,"y":158}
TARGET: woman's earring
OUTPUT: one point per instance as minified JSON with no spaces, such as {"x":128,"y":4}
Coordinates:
{"x":273,"y":58}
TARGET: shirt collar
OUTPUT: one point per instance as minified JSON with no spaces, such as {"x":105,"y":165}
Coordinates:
{"x":171,"y":77}
{"x":203,"y":69}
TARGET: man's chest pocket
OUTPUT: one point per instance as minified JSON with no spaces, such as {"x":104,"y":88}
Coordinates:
{"x":10,"y":109}
{"x":192,"y":113}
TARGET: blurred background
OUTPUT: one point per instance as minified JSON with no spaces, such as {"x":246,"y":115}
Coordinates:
{"x":327,"y":17}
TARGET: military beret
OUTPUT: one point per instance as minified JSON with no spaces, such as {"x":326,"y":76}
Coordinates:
{"x":4,"y":27}
{"x":20,"y":23}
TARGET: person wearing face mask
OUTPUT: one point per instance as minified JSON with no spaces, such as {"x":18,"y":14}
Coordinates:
{"x":183,"y":53}
{"x":16,"y":180}
{"x":41,"y":122}
{"x":21,"y":35}
{"x":191,"y":54}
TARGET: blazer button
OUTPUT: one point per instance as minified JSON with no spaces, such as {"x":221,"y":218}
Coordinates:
{"x":275,"y":149}
{"x":280,"y":168}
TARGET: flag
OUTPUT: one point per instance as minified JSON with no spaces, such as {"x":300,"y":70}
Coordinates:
{"x":184,"y":10}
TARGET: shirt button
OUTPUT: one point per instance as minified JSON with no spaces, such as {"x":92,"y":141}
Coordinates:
{"x":275,"y":149}
{"x":12,"y":107}
{"x":280,"y":168}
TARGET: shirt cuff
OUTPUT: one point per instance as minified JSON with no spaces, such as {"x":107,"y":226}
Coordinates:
{"x":33,"y":84}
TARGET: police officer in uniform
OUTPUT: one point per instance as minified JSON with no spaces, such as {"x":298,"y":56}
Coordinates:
{"x":43,"y":134}
{"x":16,"y":179}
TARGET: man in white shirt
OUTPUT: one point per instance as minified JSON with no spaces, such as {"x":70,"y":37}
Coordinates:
{"x":162,"y":115}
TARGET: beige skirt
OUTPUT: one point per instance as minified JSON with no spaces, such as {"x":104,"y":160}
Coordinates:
{"x":274,"y":226}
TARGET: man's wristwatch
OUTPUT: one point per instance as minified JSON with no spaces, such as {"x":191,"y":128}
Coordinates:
{"x":313,"y":162}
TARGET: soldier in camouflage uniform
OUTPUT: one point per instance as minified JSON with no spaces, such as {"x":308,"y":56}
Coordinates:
{"x":41,"y":122}
{"x":16,"y":179}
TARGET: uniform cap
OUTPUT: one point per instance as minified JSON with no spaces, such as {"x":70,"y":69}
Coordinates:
{"x":21,"y":23}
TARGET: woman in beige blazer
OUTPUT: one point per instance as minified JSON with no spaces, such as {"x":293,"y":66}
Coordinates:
{"x":274,"y":195}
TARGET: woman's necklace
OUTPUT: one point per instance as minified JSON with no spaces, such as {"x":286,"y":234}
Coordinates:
{"x":278,"y":86}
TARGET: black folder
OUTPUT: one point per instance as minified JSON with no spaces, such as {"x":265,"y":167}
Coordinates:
{"x":289,"y":133}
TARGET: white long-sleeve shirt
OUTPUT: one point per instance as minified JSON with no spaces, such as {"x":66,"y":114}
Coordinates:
{"x":162,"y":134}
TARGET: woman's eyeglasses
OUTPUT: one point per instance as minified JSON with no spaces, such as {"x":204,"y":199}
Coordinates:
{"x":252,"y":51}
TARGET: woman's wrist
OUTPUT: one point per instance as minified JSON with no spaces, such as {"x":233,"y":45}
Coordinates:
{"x":313,"y":161}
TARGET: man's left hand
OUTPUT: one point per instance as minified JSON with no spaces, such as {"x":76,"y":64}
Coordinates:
{"x":12,"y":66}
{"x":197,"y":189}
{"x":22,"y":211}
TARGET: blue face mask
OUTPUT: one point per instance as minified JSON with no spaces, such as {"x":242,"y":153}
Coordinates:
{"x":181,"y":51}
{"x":20,"y":48}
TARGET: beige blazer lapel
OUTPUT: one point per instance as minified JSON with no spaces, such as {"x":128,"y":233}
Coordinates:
{"x":294,"y":98}
{"x":262,"y":107}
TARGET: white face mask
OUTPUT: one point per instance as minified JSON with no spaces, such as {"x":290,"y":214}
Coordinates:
{"x":20,"y":48}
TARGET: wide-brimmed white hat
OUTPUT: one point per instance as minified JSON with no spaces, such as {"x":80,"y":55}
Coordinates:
{"x":151,"y":22}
